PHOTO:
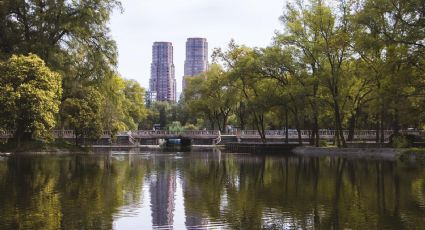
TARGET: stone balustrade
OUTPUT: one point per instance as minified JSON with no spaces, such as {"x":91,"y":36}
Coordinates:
{"x":326,"y":134}
{"x":292,"y":134}
{"x":168,"y":134}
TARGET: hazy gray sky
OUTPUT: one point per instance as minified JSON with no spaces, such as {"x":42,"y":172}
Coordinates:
{"x":249,"y":22}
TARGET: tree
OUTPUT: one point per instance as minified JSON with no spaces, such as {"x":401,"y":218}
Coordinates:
{"x":136,"y":110}
{"x":83,"y":113}
{"x":246,"y":76}
{"x":122,"y":107}
{"x":211,"y":96}
{"x":30,"y":96}
{"x":72,"y":37}
{"x":296,"y":90}
{"x":57,"y":30}
{"x":322,"y":35}
{"x":300,"y":41}
{"x":162,"y":113}
{"x":390,"y":42}
{"x":197,"y":101}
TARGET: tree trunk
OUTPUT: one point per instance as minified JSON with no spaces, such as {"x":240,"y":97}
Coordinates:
{"x":315,"y":110}
{"x":241,"y":116}
{"x":263,"y":133}
{"x":316,"y":134}
{"x":224,"y":121}
{"x":259,"y":124}
{"x":300,"y":141}
{"x":311,"y":136}
{"x":338,"y":123}
{"x":297,"y":126}
{"x":351,"y":127}
{"x":211,"y":122}
{"x":286,"y":127}
{"x":20,"y":135}
{"x":377,"y":130}
{"x":76,"y":137}
{"x":218,"y":120}
{"x":396,"y":122}
{"x":382,"y":128}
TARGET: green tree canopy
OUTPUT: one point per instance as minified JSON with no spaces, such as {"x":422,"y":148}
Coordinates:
{"x":83,"y":113}
{"x":30,"y":97}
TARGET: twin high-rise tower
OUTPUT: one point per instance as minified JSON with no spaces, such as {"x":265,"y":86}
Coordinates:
{"x":162,"y":79}
{"x":196,"y":58}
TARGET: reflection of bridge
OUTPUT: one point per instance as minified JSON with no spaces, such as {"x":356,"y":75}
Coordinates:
{"x":215,"y":137}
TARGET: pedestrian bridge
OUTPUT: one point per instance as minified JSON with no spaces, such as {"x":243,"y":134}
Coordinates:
{"x":142,"y":136}
{"x":203,"y":137}
{"x":175,"y":134}
{"x":329,"y":135}
{"x":215,"y":136}
{"x":135,"y":134}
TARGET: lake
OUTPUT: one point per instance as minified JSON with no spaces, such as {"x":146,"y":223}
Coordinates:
{"x":208,"y":189}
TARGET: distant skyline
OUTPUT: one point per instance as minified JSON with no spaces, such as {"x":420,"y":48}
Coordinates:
{"x":249,"y":22}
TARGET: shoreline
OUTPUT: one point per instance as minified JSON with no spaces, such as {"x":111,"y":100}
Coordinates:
{"x":368,"y":153}
{"x":357,"y":153}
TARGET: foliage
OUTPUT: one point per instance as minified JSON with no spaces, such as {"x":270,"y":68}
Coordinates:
{"x":400,"y":141}
{"x":73,"y":39}
{"x":175,"y":126}
{"x":343,"y":65}
{"x":162,"y":113}
{"x":82,"y":113}
{"x":190,"y":127}
{"x":61,"y":33}
{"x":210,"y":97}
{"x":136,"y":111}
{"x":123,"y":107}
{"x":30,"y":96}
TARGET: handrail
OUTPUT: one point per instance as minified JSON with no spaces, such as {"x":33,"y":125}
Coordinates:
{"x":326,"y":134}
{"x":323,"y":133}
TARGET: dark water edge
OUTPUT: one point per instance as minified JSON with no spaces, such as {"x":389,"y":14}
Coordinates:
{"x":207,"y":188}
{"x":38,"y":147}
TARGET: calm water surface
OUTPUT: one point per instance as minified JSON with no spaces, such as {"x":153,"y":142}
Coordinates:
{"x":208,"y":190}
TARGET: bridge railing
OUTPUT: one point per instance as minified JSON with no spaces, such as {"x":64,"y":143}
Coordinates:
{"x":64,"y":134}
{"x":68,"y":134}
{"x":305,"y":134}
{"x":324,"y":134}
{"x":166,"y":133}
{"x":6,"y":134}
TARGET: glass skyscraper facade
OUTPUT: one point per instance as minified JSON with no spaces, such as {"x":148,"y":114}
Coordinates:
{"x":196,"y":58}
{"x":163,"y":80}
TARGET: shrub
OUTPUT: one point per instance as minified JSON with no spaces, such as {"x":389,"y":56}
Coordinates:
{"x":400,"y":141}
{"x":323,"y":143}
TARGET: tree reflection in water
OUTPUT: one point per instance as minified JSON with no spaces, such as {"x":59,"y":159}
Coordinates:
{"x":217,"y":189}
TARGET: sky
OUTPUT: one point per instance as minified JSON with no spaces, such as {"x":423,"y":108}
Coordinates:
{"x":249,"y":22}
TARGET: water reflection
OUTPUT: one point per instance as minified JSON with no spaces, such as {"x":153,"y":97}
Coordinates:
{"x":203,"y":190}
{"x":162,"y":190}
